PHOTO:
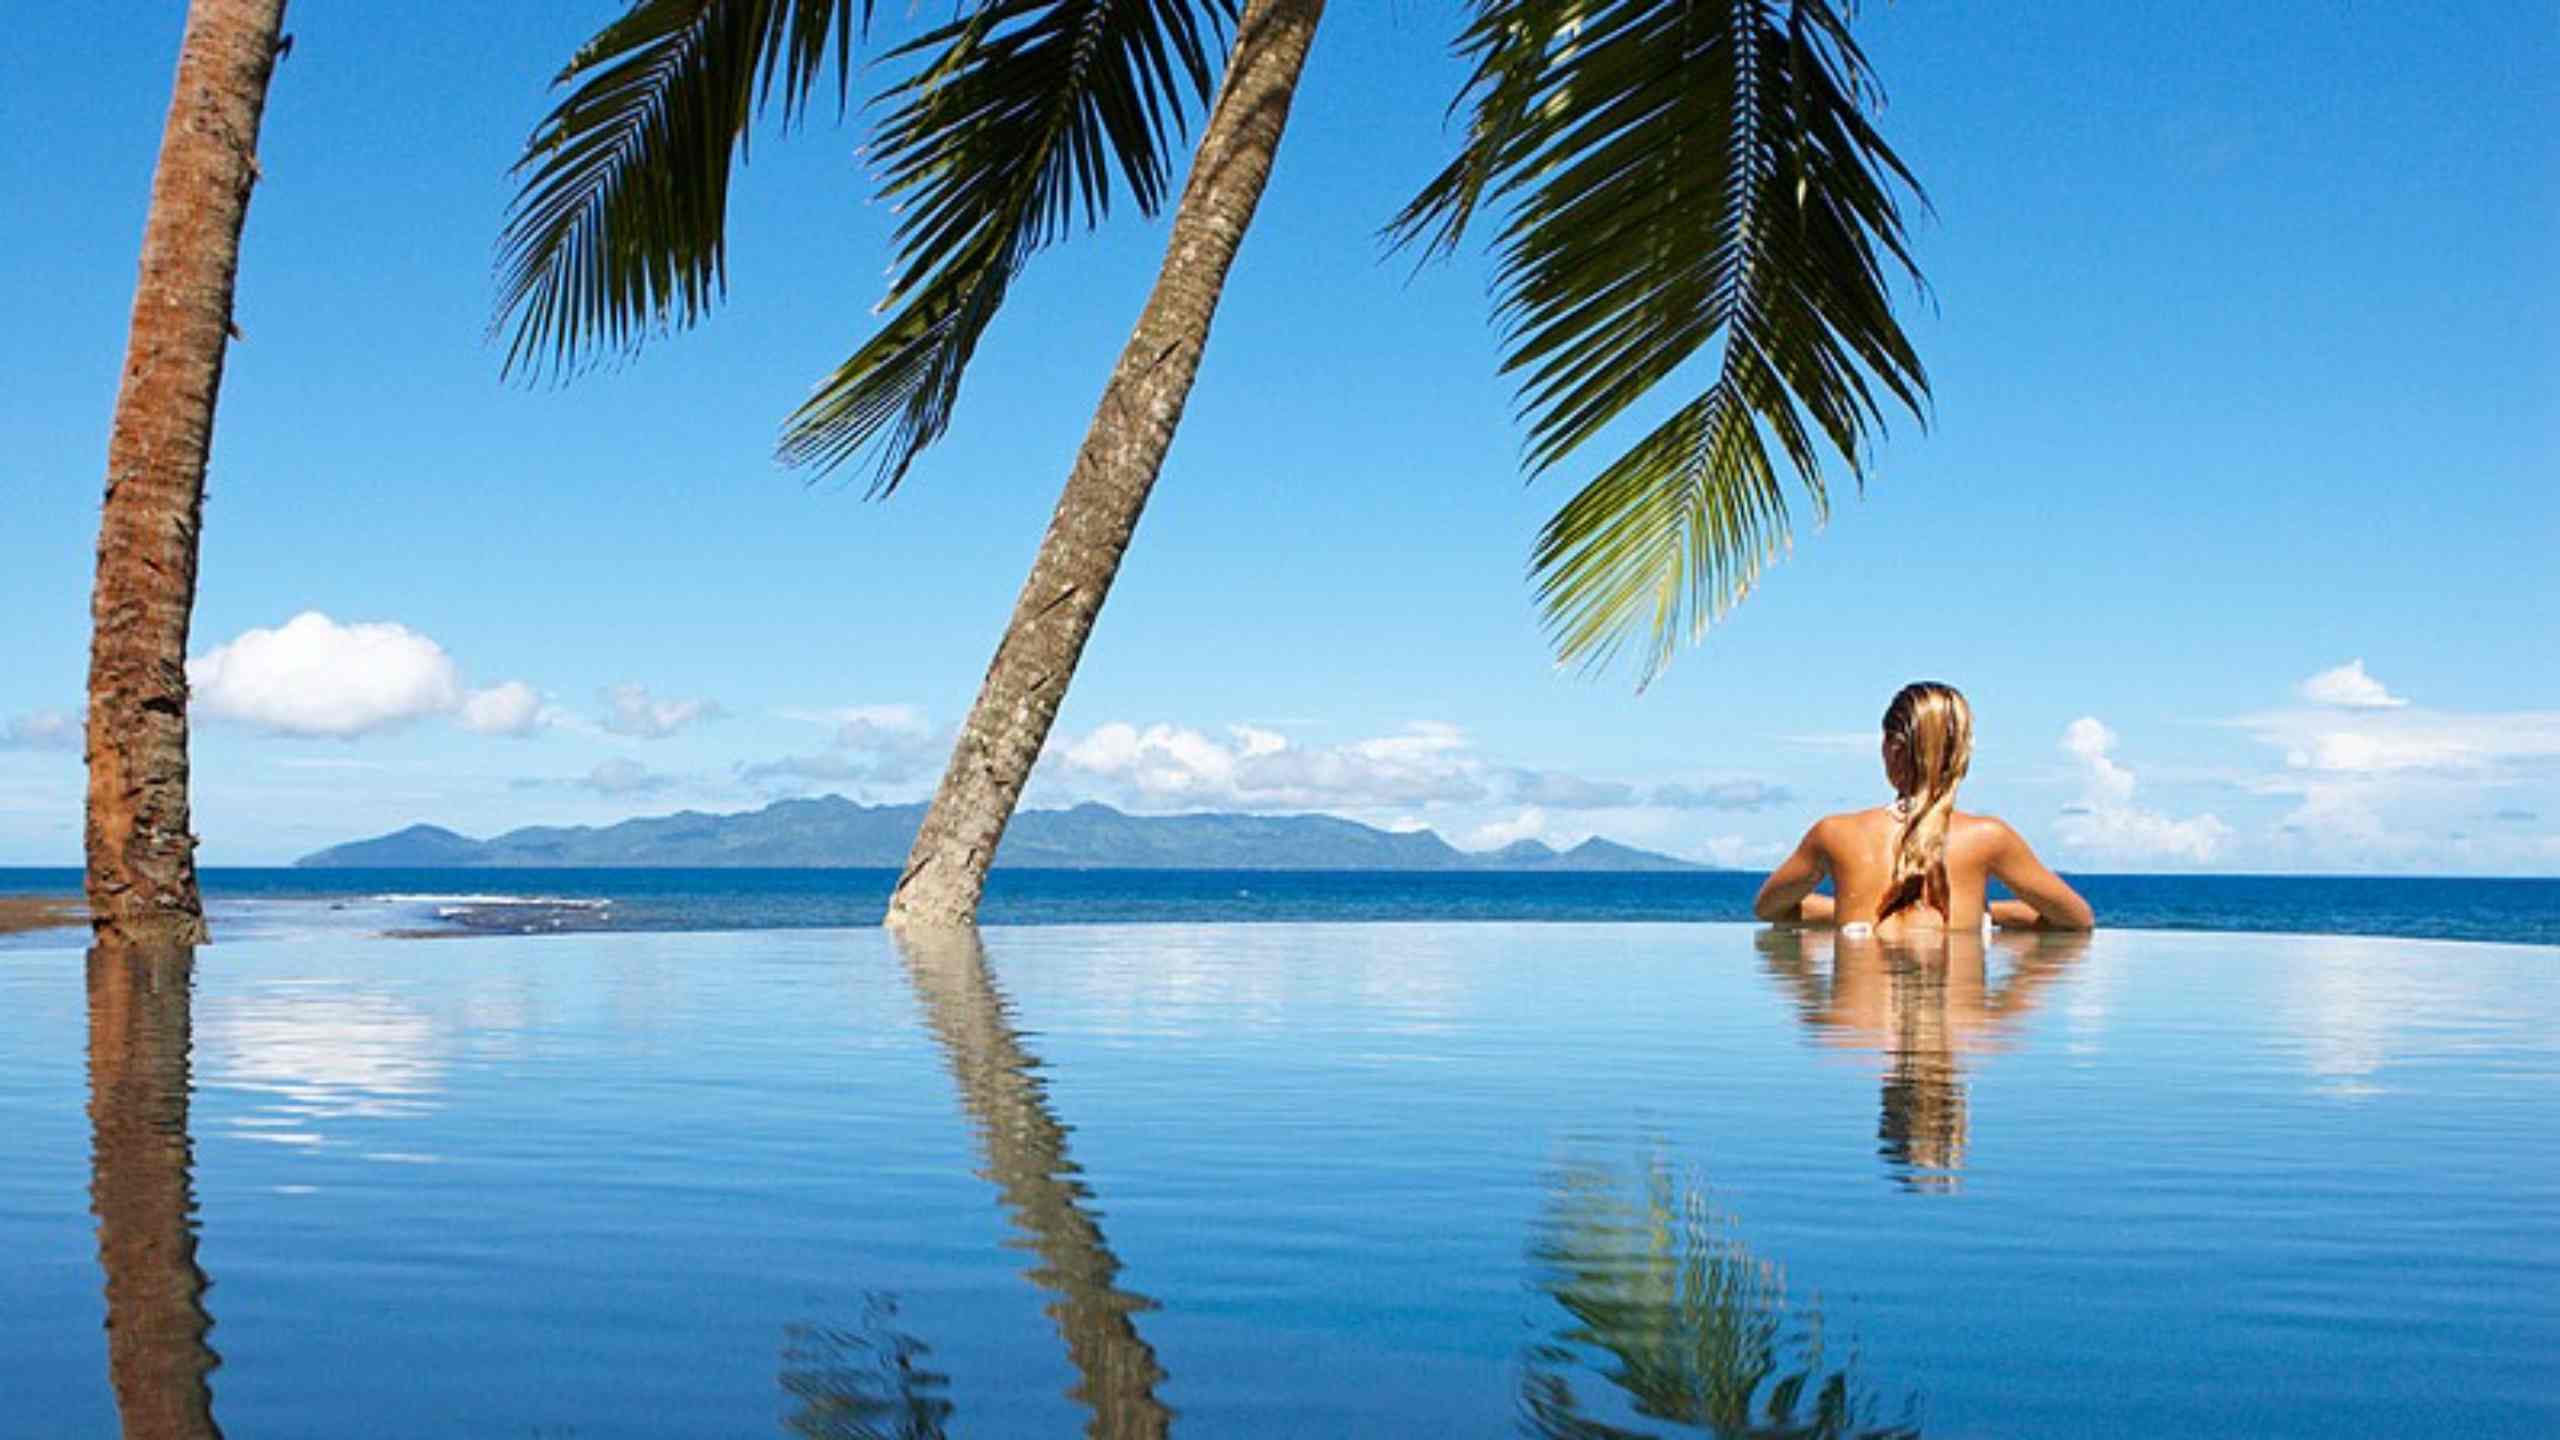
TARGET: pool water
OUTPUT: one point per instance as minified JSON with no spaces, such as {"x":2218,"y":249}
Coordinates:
{"x":1375,"y":1179}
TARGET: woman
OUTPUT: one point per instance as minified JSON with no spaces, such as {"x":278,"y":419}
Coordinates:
{"x":1918,"y":865}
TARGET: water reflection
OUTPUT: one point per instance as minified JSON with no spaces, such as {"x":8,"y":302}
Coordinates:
{"x":1926,"y":1006}
{"x":1026,"y":1157}
{"x":142,"y":1191}
{"x":867,"y":1383}
{"x":1688,"y":1324}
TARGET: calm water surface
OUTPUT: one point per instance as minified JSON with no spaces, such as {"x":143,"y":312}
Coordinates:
{"x":1568,"y":1180}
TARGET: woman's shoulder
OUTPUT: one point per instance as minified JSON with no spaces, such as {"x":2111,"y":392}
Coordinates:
{"x":1979,"y":829}
{"x":1848,"y":822}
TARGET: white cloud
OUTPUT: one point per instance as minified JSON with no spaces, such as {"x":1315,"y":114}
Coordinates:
{"x":2397,"y":786}
{"x":2088,"y":741}
{"x":2379,"y":742}
{"x":1173,"y":767}
{"x":631,"y":710}
{"x":1529,"y":824}
{"x":1734,"y":852}
{"x":872,"y":746}
{"x":41,"y":730}
{"x":2107,"y":824}
{"x":511,"y":708}
{"x":314,"y":676}
{"x":2350,"y":688}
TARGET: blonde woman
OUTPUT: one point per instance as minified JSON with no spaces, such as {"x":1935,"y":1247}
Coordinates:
{"x":1918,"y":864}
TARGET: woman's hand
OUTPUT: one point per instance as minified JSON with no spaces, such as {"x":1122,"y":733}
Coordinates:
{"x":2015,"y":915}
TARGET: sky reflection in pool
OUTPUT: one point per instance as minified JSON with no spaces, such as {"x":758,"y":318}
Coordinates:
{"x":1298,"y":1180}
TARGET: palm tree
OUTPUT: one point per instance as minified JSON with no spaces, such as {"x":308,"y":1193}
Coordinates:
{"x":141,"y":851}
{"x":1676,"y":174}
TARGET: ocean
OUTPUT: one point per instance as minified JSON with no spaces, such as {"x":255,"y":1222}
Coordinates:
{"x":261,"y":904}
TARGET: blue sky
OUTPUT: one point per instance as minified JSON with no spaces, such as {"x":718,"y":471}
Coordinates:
{"x":2234,"y":515}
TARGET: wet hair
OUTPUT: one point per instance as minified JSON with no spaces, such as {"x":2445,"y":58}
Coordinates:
{"x":1934,"y":728}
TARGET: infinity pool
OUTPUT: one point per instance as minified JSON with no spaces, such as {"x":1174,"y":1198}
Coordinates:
{"x":1452,"y":1180}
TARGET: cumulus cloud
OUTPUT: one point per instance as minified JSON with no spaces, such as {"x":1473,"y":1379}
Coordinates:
{"x":314,"y":677}
{"x":870,"y":746}
{"x":512,"y":708}
{"x":41,"y":730}
{"x":2349,"y":688}
{"x":1172,"y":767}
{"x":2107,"y":824}
{"x":631,"y":710}
{"x":1723,"y":795}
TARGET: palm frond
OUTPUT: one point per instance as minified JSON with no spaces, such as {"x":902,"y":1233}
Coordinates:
{"x":1680,"y":175}
{"x":620,"y":227}
{"x":1018,"y":123}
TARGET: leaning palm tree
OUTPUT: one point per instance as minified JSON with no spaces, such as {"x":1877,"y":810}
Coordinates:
{"x":1677,"y":176}
{"x":141,"y":846}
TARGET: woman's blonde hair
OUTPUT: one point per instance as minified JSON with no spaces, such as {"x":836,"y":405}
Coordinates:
{"x":1934,"y":727}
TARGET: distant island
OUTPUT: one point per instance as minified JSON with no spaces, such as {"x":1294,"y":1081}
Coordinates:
{"x":831,"y":832}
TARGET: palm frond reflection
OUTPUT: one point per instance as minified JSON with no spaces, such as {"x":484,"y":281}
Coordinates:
{"x":1685,"y":1322}
{"x":870,"y":1382}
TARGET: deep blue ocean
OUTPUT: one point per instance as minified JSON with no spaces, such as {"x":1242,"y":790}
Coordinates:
{"x":279,"y":903}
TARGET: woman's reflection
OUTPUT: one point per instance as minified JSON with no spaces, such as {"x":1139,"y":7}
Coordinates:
{"x":143,"y":1193}
{"x":1026,"y":1150}
{"x":1926,"y":1004}
{"x":1685,"y":1322}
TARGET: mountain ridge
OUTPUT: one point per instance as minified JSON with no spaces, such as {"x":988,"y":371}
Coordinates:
{"x":832,"y":832}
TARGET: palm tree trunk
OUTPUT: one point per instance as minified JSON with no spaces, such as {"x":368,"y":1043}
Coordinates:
{"x":142,"y":870}
{"x":1107,"y":489}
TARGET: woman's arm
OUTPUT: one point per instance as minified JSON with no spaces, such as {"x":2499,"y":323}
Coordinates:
{"x":1788,"y":892}
{"x":2045,"y":900}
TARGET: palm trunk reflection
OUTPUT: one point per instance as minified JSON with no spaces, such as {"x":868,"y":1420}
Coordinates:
{"x":142,"y":1190}
{"x":1026,"y":1157}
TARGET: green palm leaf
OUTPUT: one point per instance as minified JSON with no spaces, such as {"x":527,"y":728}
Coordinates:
{"x":1010,"y":130}
{"x":1678,"y":174}
{"x":620,"y":228}
{"x":1012,"y":124}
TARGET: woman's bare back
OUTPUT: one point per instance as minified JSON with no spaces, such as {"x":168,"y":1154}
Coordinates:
{"x":1855,"y":850}
{"x":1858,"y":855}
